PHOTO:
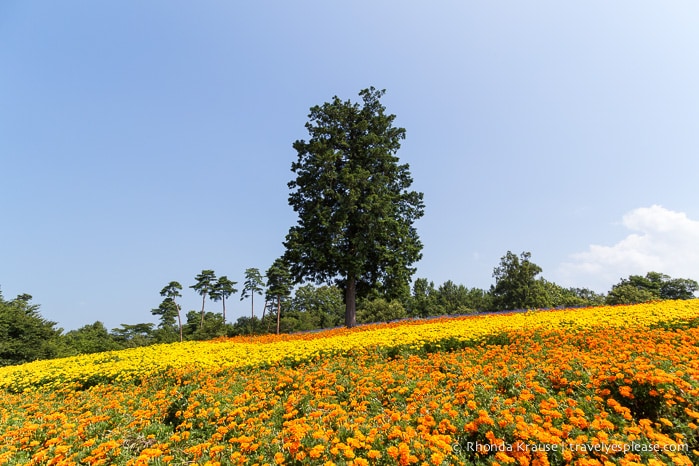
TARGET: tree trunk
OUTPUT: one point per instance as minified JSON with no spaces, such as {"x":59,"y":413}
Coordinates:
{"x":179,"y":320}
{"x":203,"y":301}
{"x":264,"y":311}
{"x":279,"y":312}
{"x":351,"y":303}
{"x":223,"y":300}
{"x":252,"y":305}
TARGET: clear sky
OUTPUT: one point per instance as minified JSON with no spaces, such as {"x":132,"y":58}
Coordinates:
{"x":141,"y":142}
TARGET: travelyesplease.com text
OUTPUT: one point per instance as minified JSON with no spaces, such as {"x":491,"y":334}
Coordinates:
{"x":606,"y":448}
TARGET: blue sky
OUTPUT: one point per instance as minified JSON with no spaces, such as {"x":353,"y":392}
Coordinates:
{"x":141,"y":142}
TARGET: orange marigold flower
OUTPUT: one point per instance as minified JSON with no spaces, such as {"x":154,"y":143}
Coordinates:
{"x":316,"y":451}
{"x":392,"y":451}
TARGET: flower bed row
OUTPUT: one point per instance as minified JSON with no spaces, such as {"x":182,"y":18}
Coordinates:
{"x":142,"y":363}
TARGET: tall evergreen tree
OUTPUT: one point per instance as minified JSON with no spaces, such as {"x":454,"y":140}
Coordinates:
{"x":352,"y":196}
{"x":221,"y":290}
{"x":168,"y":312}
{"x":278,"y":285}
{"x":254,"y":284}
{"x":171,"y":291}
{"x":203,"y":286}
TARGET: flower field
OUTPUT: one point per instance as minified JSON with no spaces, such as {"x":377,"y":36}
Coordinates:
{"x":593,"y":386}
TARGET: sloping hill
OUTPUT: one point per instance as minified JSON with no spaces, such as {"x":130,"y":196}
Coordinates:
{"x":583,"y":386}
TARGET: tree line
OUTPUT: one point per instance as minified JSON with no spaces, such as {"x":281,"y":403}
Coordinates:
{"x":26,"y":336}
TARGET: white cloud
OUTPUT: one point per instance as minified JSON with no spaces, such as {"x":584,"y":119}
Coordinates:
{"x":661,"y":240}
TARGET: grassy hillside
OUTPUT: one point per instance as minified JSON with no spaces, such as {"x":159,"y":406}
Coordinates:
{"x":617,"y":385}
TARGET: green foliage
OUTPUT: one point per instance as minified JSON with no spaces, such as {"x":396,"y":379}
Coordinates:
{"x":24,"y":334}
{"x":479,"y":300}
{"x":279,"y":281}
{"x":93,"y":338}
{"x":171,"y":291}
{"x":570,"y":297}
{"x":165,"y":335}
{"x":254,"y":284}
{"x":423,"y":301}
{"x":312,"y":308}
{"x":131,"y":336}
{"x":516,"y":286}
{"x":449,"y":298}
{"x":452,"y":298}
{"x":294,"y":321}
{"x":355,"y":209}
{"x":679,"y":288}
{"x":168,"y":312}
{"x":380,"y":310}
{"x":170,"y":328}
{"x":626,"y":293}
{"x":279,"y":285}
{"x":587,"y":296}
{"x":221,"y":290}
{"x":209,"y":326}
{"x":457,"y":299}
{"x":654,"y":286}
{"x":248,"y":326}
{"x":203,"y":286}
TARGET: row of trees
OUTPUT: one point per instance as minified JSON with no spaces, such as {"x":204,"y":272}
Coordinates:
{"x":276,"y":288}
{"x":25,"y":335}
{"x":518,"y":285}
{"x":207,"y":285}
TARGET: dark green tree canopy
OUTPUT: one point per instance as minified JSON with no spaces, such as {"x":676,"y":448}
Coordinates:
{"x":93,"y":338}
{"x":221,"y":290}
{"x":353,"y":198}
{"x":321,"y":307}
{"x":516,"y":286}
{"x":205,"y":282}
{"x":423,"y":301}
{"x":24,"y":334}
{"x":203,"y":286}
{"x":168,"y":311}
{"x":279,"y":281}
{"x":170,"y":292}
{"x":279,"y":285}
{"x":131,"y":336}
{"x":254,"y":284}
{"x":652,"y":286}
{"x":626,"y":293}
